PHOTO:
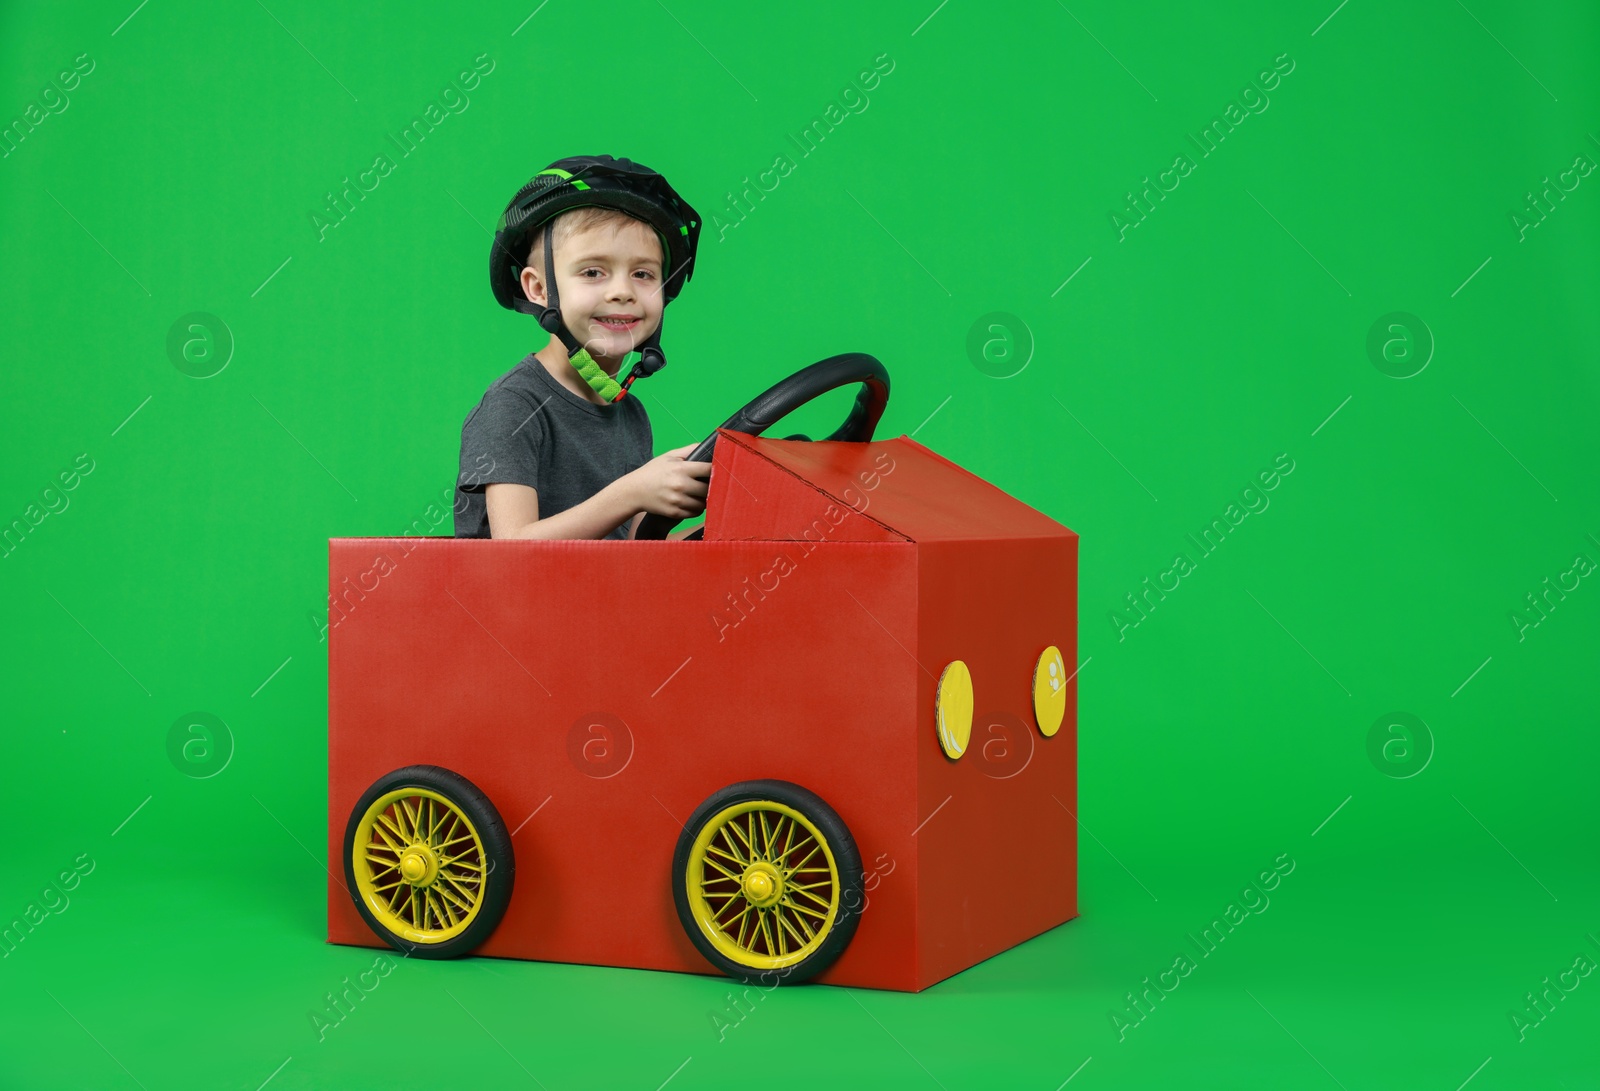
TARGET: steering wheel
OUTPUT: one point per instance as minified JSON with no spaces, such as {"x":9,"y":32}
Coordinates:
{"x":773,"y":404}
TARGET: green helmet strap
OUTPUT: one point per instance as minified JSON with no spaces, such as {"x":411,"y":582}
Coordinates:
{"x":593,"y":374}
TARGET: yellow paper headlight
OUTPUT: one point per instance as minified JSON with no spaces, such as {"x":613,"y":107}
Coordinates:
{"x":953,"y":708}
{"x":1050,"y":691}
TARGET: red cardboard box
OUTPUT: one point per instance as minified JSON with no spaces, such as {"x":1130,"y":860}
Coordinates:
{"x":599,"y":691}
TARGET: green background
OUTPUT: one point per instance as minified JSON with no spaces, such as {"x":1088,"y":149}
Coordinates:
{"x":1231,"y":326}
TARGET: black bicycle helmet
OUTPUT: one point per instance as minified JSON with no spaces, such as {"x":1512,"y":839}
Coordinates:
{"x":592,"y":181}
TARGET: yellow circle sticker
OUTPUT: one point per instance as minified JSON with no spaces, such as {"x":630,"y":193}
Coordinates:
{"x":953,"y":708}
{"x":1050,"y":691}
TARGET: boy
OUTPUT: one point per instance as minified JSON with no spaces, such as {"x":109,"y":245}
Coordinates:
{"x":595,"y":248}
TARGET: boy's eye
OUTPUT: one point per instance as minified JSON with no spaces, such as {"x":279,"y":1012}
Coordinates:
{"x":594,"y":271}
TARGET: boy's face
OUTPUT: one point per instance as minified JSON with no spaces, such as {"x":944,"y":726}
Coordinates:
{"x":609,"y":278}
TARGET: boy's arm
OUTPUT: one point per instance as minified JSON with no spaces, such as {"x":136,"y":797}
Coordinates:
{"x":514,"y":513}
{"x":666,"y":485}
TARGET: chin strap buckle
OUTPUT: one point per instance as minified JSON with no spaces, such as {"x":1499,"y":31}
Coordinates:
{"x":651,"y":360}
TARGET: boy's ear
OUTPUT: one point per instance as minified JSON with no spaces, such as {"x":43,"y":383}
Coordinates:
{"x":532,"y":286}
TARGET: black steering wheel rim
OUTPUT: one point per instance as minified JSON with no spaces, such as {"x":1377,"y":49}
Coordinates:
{"x":783,"y":398}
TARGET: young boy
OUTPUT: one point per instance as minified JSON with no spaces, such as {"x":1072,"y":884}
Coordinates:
{"x":595,"y":248}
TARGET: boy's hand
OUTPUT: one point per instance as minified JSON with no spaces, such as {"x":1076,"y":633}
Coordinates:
{"x":671,"y":486}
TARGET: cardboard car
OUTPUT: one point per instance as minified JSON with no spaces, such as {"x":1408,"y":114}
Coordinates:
{"x":833,"y":739}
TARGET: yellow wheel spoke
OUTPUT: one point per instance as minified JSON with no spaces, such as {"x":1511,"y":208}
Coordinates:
{"x":470,"y":896}
{"x":801,"y":866}
{"x":410,"y":818}
{"x":728,"y":855}
{"x":783,"y":833}
{"x":801,"y":921}
{"x":742,"y":858}
{"x":766,"y":834}
{"x":801,"y":849}
{"x":734,"y":826}
{"x":472,"y":882}
{"x":808,"y":886}
{"x":740,"y":918}
{"x":459,"y":861}
{"x":448,"y":897}
{"x":396,"y":843}
{"x":824,"y":902}
{"x":444,"y":813}
{"x":389,"y":886}
{"x":444,"y":900}
{"x":783,"y":923}
{"x":804,"y":909}
{"x":399,"y":908}
{"x":719,"y":867}
{"x":766,"y":933}
{"x":384,"y":865}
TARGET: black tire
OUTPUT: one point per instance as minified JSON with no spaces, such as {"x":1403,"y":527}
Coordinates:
{"x":762,"y":952}
{"x":451,"y":881}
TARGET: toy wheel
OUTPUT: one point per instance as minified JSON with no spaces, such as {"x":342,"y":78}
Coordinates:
{"x":767,"y":881}
{"x":428,"y":862}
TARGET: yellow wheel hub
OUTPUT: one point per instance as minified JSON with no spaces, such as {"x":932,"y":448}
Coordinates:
{"x":419,"y":865}
{"x":763,"y":884}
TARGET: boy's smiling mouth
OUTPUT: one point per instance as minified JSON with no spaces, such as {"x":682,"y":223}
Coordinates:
{"x":617,"y":321}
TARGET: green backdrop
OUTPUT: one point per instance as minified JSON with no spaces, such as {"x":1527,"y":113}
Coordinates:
{"x":1357,"y":241}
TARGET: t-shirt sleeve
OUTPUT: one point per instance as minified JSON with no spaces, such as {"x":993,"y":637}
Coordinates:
{"x":500,"y":442}
{"x":646,"y":446}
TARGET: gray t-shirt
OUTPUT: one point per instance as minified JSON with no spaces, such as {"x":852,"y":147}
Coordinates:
{"x":530,"y":430}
